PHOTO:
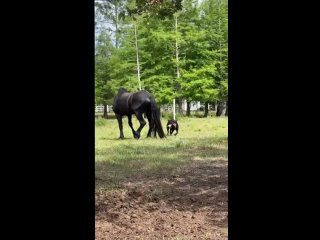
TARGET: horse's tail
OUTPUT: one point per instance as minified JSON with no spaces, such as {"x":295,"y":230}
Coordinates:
{"x":156,"y":116}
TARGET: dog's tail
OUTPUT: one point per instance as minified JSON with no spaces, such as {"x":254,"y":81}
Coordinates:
{"x":156,"y":117}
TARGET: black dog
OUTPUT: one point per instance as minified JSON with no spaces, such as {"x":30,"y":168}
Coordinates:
{"x":172,"y":125}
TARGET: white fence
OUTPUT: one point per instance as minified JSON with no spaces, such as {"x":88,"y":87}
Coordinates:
{"x":193,"y":106}
{"x":168,"y":108}
{"x":100,"y":108}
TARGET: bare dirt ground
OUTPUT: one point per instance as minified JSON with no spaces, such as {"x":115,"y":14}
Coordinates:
{"x":192,"y":204}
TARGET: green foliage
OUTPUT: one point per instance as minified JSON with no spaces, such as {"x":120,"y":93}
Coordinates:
{"x":104,"y":50}
{"x":202,"y":38}
{"x":160,"y":8}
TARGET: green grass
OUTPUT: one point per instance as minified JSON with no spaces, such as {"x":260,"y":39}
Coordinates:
{"x":198,"y":139}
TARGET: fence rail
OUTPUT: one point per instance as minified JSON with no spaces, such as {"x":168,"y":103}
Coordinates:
{"x":100,"y":108}
{"x":166,"y":107}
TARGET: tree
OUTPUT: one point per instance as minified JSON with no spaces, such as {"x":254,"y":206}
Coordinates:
{"x":215,"y":19}
{"x":198,"y":66}
{"x":181,"y":55}
{"x":111,"y":12}
{"x":160,"y":8}
{"x":103,"y":91}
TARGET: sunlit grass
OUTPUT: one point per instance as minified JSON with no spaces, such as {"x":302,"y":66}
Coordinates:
{"x":198,"y":139}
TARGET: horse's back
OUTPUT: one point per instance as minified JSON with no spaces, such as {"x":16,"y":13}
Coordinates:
{"x":140,"y":99}
{"x":141,"y":96}
{"x":127,"y":103}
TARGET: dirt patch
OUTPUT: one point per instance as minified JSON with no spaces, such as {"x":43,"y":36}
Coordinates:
{"x":190,"y":204}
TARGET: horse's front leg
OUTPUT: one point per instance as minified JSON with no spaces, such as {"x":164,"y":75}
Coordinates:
{"x":119,"y":118}
{"x":142,"y":123}
{"x":135,"y":135}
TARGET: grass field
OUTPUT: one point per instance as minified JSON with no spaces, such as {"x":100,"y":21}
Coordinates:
{"x":198,"y":139}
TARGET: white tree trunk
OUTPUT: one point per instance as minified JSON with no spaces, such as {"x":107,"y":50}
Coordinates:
{"x":137,"y":53}
{"x":117,"y":19}
{"x":177,"y":60}
{"x":219,"y":32}
{"x":174,"y":109}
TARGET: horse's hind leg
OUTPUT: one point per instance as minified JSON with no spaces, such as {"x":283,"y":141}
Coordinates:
{"x":151,"y":124}
{"x":130,"y":124}
{"x":142,"y":123}
{"x":119,"y":118}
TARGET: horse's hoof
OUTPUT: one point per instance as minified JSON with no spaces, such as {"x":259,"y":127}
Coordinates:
{"x":136,"y":135}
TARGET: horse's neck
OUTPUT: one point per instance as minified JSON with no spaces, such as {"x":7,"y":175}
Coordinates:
{"x":125,"y":94}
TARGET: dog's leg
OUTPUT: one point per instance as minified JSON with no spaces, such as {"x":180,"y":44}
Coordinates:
{"x":177,"y":129}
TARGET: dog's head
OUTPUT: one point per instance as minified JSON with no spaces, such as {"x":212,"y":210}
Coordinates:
{"x":172,"y":124}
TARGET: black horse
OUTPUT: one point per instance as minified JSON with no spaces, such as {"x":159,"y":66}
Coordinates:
{"x":138,"y":103}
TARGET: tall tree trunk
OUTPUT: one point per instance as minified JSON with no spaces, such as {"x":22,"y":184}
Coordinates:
{"x":105,"y":112}
{"x":177,"y":64}
{"x":214,"y":106}
{"x":219,"y":109}
{"x":206,"y":109}
{"x":174,"y":109}
{"x":226,"y":114}
{"x":188,"y":108}
{"x":219,"y":33}
{"x":117,"y":19}
{"x":180,"y":110}
{"x":137,"y":54}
